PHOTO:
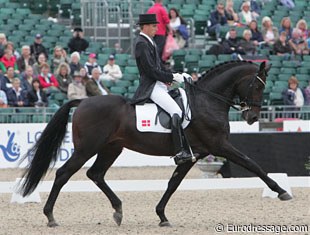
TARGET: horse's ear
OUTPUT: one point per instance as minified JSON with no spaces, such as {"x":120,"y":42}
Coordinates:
{"x":268,"y":67}
{"x":262,"y":66}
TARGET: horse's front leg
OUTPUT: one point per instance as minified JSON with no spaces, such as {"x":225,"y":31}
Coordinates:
{"x":174,"y":182}
{"x":234,"y":155}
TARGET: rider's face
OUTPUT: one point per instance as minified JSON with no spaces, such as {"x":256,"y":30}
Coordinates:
{"x":150,"y":29}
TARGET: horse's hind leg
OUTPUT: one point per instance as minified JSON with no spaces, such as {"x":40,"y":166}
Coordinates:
{"x":63,"y":174}
{"x":174,"y":182}
{"x":96,"y":173}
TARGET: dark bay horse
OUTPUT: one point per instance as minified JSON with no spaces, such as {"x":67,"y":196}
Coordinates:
{"x":104,"y":125}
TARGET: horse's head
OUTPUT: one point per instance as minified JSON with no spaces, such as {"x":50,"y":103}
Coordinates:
{"x":251,"y":94}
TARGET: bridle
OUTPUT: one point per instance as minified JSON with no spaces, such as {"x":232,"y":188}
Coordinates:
{"x":245,"y":105}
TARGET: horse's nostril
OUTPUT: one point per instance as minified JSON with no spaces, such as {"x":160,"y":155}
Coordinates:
{"x":255,"y":118}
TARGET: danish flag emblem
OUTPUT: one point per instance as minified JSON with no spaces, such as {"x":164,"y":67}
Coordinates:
{"x":145,"y":123}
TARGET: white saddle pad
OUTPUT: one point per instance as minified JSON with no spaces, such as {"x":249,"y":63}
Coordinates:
{"x":146,"y":117}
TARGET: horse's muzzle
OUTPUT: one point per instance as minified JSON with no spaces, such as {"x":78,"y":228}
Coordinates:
{"x":250,"y":117}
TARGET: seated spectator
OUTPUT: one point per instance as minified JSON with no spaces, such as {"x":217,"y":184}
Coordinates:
{"x":3,"y":42}
{"x":84,"y":75}
{"x":3,"y":99}
{"x":111,"y":71}
{"x":179,"y":28}
{"x":75,"y":64}
{"x":36,"y":96}
{"x":27,"y":77}
{"x":288,"y":3}
{"x":25,"y":59}
{"x":293,"y":96}
{"x":37,"y":47}
{"x":94,"y":87}
{"x":246,"y":45}
{"x":269,"y":32}
{"x":10,"y":45}
{"x":91,"y":64}
{"x":77,"y":89}
{"x":257,"y":36}
{"x":78,"y":42}
{"x":232,"y":44}
{"x":59,"y":56}
{"x":281,"y":47}
{"x":63,"y":77}
{"x":37,"y":66}
{"x":218,"y":18}
{"x":232,"y":15}
{"x":246,"y":15}
{"x":47,"y":80}
{"x":17,"y":97}
{"x":8,"y":60}
{"x":7,"y":79}
{"x":303,"y":26}
{"x":286,"y":26}
{"x":307,"y":94}
{"x":300,"y":46}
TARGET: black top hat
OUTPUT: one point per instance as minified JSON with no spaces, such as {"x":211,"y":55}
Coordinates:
{"x":147,"y":19}
{"x":78,"y":29}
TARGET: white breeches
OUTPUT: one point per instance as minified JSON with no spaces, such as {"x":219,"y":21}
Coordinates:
{"x":161,"y":97}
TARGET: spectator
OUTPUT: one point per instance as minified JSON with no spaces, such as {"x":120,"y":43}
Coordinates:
{"x":7,"y":81}
{"x":27,"y":77}
{"x":255,"y":6}
{"x":75,"y":64}
{"x":218,"y":18}
{"x":59,"y":56}
{"x":257,"y":36}
{"x":281,"y":47}
{"x":3,"y":42}
{"x":163,"y":24}
{"x":293,"y":96}
{"x":246,"y":15}
{"x":269,"y":32}
{"x":37,"y":66}
{"x":288,"y":3}
{"x":63,"y":77}
{"x":47,"y":80}
{"x":178,"y":27}
{"x":94,"y":87}
{"x":10,"y":45}
{"x":307,"y":94}
{"x":3,"y":98}
{"x":232,"y":15}
{"x":303,"y":26}
{"x":37,"y":47}
{"x":25,"y":59}
{"x":84,"y":75}
{"x":78,"y":42}
{"x":111,"y":71}
{"x":246,"y":45}
{"x":91,"y":64}
{"x":232,"y":44}
{"x":17,"y":97}
{"x":8,"y":60}
{"x":300,"y":46}
{"x":77,"y":89}
{"x":286,"y":26}
{"x":36,"y":96}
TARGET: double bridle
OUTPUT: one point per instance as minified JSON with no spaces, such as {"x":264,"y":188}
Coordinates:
{"x":244,"y":105}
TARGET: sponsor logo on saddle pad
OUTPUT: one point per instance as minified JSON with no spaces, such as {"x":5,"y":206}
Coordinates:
{"x":148,"y":118}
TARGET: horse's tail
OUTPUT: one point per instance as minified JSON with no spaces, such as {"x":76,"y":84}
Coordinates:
{"x":46,"y":149}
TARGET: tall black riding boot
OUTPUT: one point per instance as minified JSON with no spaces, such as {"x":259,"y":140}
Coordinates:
{"x":178,"y":141}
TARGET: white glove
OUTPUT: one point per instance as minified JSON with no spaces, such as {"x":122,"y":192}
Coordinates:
{"x":187,"y":76}
{"x":178,"y":77}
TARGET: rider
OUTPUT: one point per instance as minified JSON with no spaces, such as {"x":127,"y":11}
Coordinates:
{"x":154,"y":80}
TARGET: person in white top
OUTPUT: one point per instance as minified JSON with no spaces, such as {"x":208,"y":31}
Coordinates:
{"x":111,"y":71}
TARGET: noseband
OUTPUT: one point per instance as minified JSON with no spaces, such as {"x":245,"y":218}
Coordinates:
{"x":244,"y":105}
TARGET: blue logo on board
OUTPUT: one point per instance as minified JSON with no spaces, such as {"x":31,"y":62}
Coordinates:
{"x":11,"y":151}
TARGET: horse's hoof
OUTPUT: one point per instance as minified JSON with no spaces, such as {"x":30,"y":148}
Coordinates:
{"x":285,"y":197}
{"x":52,"y":224}
{"x":165,"y":224}
{"x":118,"y":218}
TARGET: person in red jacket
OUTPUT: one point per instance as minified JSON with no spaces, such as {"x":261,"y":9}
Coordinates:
{"x":8,"y":60}
{"x":163,"y":23}
{"x":47,"y":80}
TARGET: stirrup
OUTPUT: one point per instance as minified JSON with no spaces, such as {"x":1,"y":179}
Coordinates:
{"x":183,"y":157}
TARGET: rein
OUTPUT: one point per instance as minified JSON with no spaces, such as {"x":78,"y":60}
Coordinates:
{"x":242,"y":106}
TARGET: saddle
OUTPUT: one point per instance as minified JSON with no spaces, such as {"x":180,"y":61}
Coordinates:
{"x":152,"y":118}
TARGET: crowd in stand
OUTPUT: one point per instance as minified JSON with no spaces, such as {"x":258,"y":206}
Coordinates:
{"x":31,"y":78}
